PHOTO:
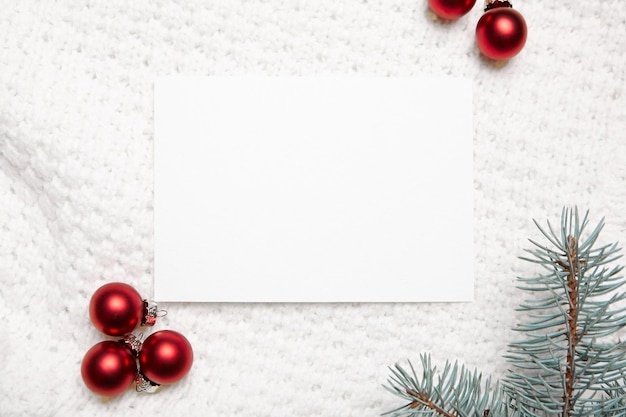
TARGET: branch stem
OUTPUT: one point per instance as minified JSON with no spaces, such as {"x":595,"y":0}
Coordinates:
{"x":427,"y":402}
{"x":572,"y":326}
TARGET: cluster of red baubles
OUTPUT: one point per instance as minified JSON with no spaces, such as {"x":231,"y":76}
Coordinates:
{"x":501,"y":31}
{"x":110,"y":367}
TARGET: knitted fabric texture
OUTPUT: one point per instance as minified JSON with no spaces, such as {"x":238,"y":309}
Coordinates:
{"x":76,"y":204}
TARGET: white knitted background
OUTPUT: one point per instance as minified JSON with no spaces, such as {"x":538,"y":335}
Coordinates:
{"x":76,"y":131}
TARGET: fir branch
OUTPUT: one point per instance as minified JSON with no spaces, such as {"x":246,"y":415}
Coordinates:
{"x":455,"y":392}
{"x":565,"y":365}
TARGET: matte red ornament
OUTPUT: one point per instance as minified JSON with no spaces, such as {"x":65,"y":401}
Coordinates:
{"x":108,"y":368}
{"x":165,"y":357}
{"x":116,"y":309}
{"x":451,"y":9}
{"x":501,"y":32}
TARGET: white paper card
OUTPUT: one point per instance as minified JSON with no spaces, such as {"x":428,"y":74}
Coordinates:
{"x":295,"y":189}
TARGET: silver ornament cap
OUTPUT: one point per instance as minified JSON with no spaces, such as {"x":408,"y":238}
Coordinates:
{"x":143,"y":384}
{"x":492,"y":4}
{"x":150,"y":313}
{"x":132,"y":342}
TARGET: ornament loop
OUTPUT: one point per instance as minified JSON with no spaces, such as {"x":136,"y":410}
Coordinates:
{"x":143,"y":384}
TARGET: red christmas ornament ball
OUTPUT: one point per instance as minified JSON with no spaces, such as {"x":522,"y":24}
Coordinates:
{"x":451,"y":9}
{"x":165,"y":357}
{"x":116,"y":309}
{"x":108,"y":368}
{"x":501,"y":33}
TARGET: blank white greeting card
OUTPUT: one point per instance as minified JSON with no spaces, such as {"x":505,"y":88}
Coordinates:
{"x":313,"y":189}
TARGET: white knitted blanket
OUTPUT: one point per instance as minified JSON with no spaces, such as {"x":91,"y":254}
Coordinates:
{"x":76,"y":132}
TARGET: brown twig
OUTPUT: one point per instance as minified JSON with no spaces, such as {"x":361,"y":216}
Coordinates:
{"x":572,"y":325}
{"x":424,"y":400}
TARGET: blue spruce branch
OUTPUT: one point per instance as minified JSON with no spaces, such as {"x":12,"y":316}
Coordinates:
{"x":565,"y":365}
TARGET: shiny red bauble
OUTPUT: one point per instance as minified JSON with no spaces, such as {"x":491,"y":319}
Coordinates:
{"x":501,"y":33}
{"x":108,"y":368}
{"x":116,"y":309}
{"x":165,"y":357}
{"x":451,"y":9}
